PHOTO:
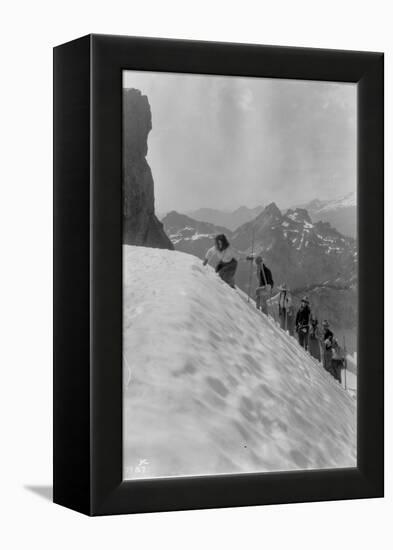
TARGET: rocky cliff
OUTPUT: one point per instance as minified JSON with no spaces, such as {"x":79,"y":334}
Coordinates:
{"x":140,"y":224}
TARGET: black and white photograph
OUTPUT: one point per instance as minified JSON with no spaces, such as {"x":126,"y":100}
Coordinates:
{"x":239,"y":275}
{"x":196,"y":302}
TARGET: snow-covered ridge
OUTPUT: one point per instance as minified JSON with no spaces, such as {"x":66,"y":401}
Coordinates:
{"x":318,"y":206}
{"x":181,"y":235}
{"x":211,"y":386}
{"x":340,"y":212}
{"x":342,"y":202}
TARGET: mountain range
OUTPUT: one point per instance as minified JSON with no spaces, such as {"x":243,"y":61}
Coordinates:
{"x":189,"y":235}
{"x":303,"y":253}
{"x":312,"y":258}
{"x":230,"y":220}
{"x":341,"y":213}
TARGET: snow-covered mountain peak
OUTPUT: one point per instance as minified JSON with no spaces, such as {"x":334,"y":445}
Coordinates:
{"x":340,"y":212}
{"x":342,"y":202}
{"x":299,"y":215}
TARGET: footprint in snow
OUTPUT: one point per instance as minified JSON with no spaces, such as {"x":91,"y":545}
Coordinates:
{"x":138,"y":311}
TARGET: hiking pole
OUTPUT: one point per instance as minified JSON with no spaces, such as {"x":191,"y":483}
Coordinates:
{"x":252,"y":259}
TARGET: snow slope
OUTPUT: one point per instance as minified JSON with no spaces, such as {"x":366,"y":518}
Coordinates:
{"x":212,"y":386}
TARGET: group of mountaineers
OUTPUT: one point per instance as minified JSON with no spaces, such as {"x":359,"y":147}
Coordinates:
{"x":318,"y":341}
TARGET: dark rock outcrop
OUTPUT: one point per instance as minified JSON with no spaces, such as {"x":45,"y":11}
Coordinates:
{"x":140,"y":224}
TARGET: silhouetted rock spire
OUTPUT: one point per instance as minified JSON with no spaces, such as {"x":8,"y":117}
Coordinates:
{"x":140,"y":224}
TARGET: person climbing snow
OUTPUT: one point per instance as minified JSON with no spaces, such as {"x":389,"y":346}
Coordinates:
{"x":265,"y":281}
{"x":314,"y":339}
{"x":303,"y":322}
{"x":284,"y":307}
{"x":327,"y":345}
{"x":227,"y":259}
{"x":337,"y":361}
{"x":291,"y":319}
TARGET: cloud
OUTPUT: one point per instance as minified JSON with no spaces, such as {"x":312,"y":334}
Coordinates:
{"x":227,"y":141}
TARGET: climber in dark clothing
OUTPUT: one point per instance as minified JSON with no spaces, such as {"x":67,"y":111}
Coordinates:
{"x":264,"y":273}
{"x":265,"y":281}
{"x":338,"y":360}
{"x":314,"y":346}
{"x":285,"y":311}
{"x":327,"y":346}
{"x":303,"y":322}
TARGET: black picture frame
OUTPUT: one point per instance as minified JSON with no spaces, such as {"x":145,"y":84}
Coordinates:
{"x":88,"y":274}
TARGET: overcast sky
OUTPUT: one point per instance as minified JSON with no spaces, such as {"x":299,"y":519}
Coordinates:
{"x":224,"y":142}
